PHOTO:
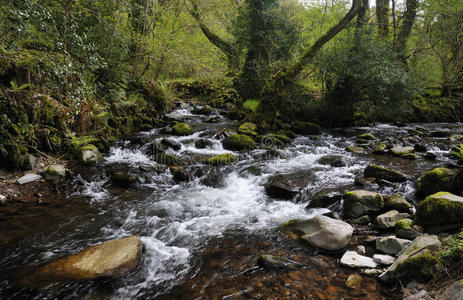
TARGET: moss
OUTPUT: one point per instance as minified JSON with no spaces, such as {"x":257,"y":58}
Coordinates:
{"x":354,"y":149}
{"x":251,"y":105}
{"x":221,"y":159}
{"x":410,"y":156}
{"x":89,"y":147}
{"x":436,"y":180}
{"x":404,"y":224}
{"x":367,"y":136}
{"x":248,"y":128}
{"x":182,"y":129}
{"x":438,"y":209}
{"x":384,"y":173}
{"x":238,"y":142}
{"x":452,"y":250}
{"x":419,"y":267}
{"x":168,"y":159}
{"x":305,"y":128}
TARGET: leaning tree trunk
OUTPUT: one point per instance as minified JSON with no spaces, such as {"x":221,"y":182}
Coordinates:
{"x":406,"y":28}
{"x":272,"y":97}
{"x":230,"y":51}
{"x":382,"y":17}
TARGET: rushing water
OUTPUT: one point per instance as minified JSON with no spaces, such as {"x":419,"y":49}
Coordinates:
{"x":176,"y":221}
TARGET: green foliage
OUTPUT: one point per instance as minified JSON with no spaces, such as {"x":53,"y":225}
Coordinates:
{"x":251,"y":105}
{"x":78,"y":143}
{"x":452,"y":250}
{"x":458,"y":151}
{"x":182,"y":129}
{"x":221,"y":159}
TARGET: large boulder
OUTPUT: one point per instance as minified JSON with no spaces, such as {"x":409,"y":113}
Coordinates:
{"x":54,"y":172}
{"x":416,"y":259}
{"x":384,"y":173}
{"x":359,"y":202}
{"x":248,"y":128}
{"x":436,"y":180}
{"x":354,"y":260}
{"x":324,"y":199}
{"x":333,"y":161}
{"x":181,"y":129}
{"x":396,"y":201}
{"x":90,"y":155}
{"x":390,"y":218}
{"x":305,"y":128}
{"x":440,"y":211}
{"x":404,"y":230}
{"x":221,"y":159}
{"x":110,"y":259}
{"x":402,"y":151}
{"x":238,"y":142}
{"x":391,"y":244}
{"x":281,"y":188}
{"x":322,"y":232}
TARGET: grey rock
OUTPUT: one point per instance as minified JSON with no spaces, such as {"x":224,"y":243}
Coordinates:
{"x":391,"y":245}
{"x":28,"y":178}
{"x":54,"y":172}
{"x":28,"y":161}
{"x":363,"y":220}
{"x":271,"y":261}
{"x":455,"y":291}
{"x":91,"y":156}
{"x":396,"y":201}
{"x":360,"y":202}
{"x":354,"y":260}
{"x":361,"y":250}
{"x":3,"y":200}
{"x":384,"y":259}
{"x":420,"y":296}
{"x":390,"y":218}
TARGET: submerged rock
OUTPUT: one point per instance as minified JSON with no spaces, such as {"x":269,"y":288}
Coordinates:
{"x":171,"y":144}
{"x":203,"y":143}
{"x":280,"y":187}
{"x":416,"y":260}
{"x":390,"y":218}
{"x":354,"y":260}
{"x":440,"y":211}
{"x":123,"y":179}
{"x":360,"y":202}
{"x":354,"y":281}
{"x":391,"y":244}
{"x":179,"y":174}
{"x":384,"y":173}
{"x":436,"y":180}
{"x":333,"y":161}
{"x":277,"y":262}
{"x":322,"y":232}
{"x":110,"y":259}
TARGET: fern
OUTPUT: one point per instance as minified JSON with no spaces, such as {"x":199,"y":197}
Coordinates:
{"x":458,"y":151}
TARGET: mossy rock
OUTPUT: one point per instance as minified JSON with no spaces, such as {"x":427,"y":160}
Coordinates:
{"x":182,"y":129}
{"x":248,"y":128}
{"x":420,"y":267}
{"x":221,"y":159}
{"x":404,"y":230}
{"x":440,"y":211}
{"x":333,"y":160}
{"x":384,"y":173}
{"x":367,"y":136}
{"x":238,"y":142}
{"x":168,"y":159}
{"x":355,"y":149}
{"x":305,"y":128}
{"x":359,"y":202}
{"x":436,"y":180}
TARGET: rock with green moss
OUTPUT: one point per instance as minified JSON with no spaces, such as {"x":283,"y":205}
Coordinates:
{"x":355,"y":149}
{"x":367,"y":136}
{"x":168,"y":159}
{"x":401,"y":151}
{"x":404,"y":230}
{"x":390,"y":218}
{"x":181,"y":129}
{"x":54,"y":172}
{"x":380,"y":149}
{"x":333,"y":160}
{"x":360,"y":202}
{"x":396,"y":201}
{"x":305,"y":128}
{"x":248,"y":128}
{"x":439,"y":212}
{"x":384,"y":173}
{"x":90,"y":155}
{"x":221,"y":159}
{"x":416,"y":261}
{"x":238,"y":142}
{"x":436,"y":180}
{"x":281,"y":137}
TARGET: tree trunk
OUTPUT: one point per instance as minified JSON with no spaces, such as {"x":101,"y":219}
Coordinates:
{"x":406,"y":28}
{"x":273,"y":96}
{"x":230,"y":51}
{"x":382,"y":17}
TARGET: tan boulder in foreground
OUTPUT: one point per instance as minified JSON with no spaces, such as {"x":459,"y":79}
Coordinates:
{"x":107,"y":260}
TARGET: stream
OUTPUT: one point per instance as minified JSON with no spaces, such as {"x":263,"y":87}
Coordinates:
{"x":202,"y":237}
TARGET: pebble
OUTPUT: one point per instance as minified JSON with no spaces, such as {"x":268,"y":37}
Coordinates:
{"x":361,"y":250}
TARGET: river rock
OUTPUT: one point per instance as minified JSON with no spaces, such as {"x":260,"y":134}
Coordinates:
{"x":110,"y":259}
{"x":276,"y":262}
{"x":430,"y":156}
{"x":420,"y":148}
{"x":171,"y":144}
{"x":305,"y":128}
{"x":359,"y":202}
{"x":281,"y":188}
{"x":384,"y":173}
{"x":213,"y":177}
{"x":248,"y":128}
{"x":396,"y":201}
{"x":367,"y":136}
{"x":436,"y":180}
{"x":179,"y":174}
{"x":363,"y":220}
{"x":238,"y":142}
{"x":455,"y":291}
{"x":456,"y":137}
{"x":181,"y":129}
{"x":391,"y":245}
{"x":404,"y":230}
{"x":416,"y":258}
{"x":380,"y":149}
{"x":54,"y":172}
{"x":324,"y":199}
{"x":335,"y":161}
{"x":390,"y":218}
{"x":384,"y":259}
{"x":90,"y":155}
{"x":28,"y":178}
{"x":354,"y":281}
{"x":354,"y":260}
{"x":203,"y":143}
{"x":123,"y":179}
{"x":28,"y":161}
{"x":401,"y":151}
{"x":355,"y":149}
{"x":440,"y":211}
{"x":322,"y":232}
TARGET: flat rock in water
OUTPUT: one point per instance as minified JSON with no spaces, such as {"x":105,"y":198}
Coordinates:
{"x":110,"y":259}
{"x":282,"y":188}
{"x":354,"y":260}
{"x":28,"y":178}
{"x":384,"y":259}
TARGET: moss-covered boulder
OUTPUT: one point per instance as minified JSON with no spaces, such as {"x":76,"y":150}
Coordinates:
{"x":355,"y":149}
{"x":402,"y":151}
{"x":396,"y":201}
{"x":333,"y":160}
{"x":359,"y":202}
{"x":384,"y":173}
{"x":168,"y":159}
{"x":90,"y":155}
{"x":416,"y":261}
{"x":54,"y":172}
{"x":390,"y":218}
{"x":248,"y":128}
{"x":367,"y":136}
{"x":436,"y":180}
{"x":111,"y":259}
{"x":238,"y":142}
{"x":221,"y":159}
{"x":181,"y":129}
{"x":305,"y":128}
{"x":404,"y":230}
{"x":380,"y":149}
{"x":440,"y":211}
